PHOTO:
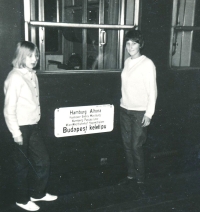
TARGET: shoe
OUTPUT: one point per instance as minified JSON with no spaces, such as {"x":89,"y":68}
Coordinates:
{"x":30,"y":206}
{"x":47,"y":197}
{"x":125,"y":181}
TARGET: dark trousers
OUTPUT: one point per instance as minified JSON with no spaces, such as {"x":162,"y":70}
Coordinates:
{"x":32,"y":164}
{"x":133,"y":136}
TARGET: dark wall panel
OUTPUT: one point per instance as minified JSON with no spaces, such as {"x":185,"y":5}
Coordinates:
{"x":70,"y":90}
{"x":10,"y":34}
{"x":11,"y":17}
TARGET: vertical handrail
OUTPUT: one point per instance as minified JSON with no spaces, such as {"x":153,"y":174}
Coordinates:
{"x":137,"y":13}
{"x":41,"y":35}
{"x":121,"y":33}
{"x":101,"y":21}
{"x":33,"y":29}
{"x":27,"y":15}
{"x":84,"y":35}
{"x":57,"y":11}
{"x":63,"y":39}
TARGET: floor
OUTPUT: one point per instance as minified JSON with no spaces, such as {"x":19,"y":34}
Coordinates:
{"x":172,"y":184}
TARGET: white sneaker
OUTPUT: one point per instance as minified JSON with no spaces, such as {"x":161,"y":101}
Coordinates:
{"x":30,"y":206}
{"x":47,"y":197}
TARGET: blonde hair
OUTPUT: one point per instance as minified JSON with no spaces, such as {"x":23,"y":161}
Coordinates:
{"x":24,"y":49}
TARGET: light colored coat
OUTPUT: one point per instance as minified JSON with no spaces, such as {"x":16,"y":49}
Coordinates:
{"x":139,"y":88}
{"x":21,"y":106}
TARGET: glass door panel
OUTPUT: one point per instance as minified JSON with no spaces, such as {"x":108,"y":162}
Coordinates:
{"x":100,"y":46}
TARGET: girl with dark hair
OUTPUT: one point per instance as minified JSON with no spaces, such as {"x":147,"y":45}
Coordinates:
{"x":139,"y":93}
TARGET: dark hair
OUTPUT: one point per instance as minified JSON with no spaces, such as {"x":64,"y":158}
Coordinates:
{"x":134,"y":35}
{"x":24,"y":48}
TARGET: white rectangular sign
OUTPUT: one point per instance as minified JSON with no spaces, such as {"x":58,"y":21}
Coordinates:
{"x":70,"y":121}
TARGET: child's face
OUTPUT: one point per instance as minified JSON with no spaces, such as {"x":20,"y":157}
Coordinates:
{"x":133,"y":49}
{"x":31,"y":60}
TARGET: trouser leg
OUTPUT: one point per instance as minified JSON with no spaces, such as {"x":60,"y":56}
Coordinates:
{"x":22,"y":164}
{"x":40,"y":163}
{"x":125,"y":122}
{"x":139,"y":135}
{"x":32,"y":159}
{"x":133,"y":136}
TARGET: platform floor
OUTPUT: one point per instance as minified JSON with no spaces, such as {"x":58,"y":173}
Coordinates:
{"x":173,"y":185}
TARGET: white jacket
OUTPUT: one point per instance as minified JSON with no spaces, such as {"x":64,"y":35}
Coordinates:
{"x":139,"y":89}
{"x":21,"y":106}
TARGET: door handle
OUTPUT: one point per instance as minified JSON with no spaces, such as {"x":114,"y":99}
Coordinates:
{"x":102,"y":38}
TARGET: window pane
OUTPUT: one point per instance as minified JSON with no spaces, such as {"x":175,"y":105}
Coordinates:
{"x":184,"y":39}
{"x":80,"y":48}
{"x":74,"y":36}
{"x":51,"y":34}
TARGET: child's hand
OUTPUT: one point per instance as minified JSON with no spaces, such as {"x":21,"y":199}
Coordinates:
{"x":19,"y":140}
{"x":146,"y":121}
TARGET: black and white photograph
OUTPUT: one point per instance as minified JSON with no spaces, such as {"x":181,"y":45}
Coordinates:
{"x":100,"y":105}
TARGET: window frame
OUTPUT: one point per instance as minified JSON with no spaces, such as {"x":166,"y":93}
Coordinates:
{"x":175,"y":29}
{"x":31,"y":24}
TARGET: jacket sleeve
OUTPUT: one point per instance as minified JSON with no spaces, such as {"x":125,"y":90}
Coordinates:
{"x":151,"y":87}
{"x":12,"y":89}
